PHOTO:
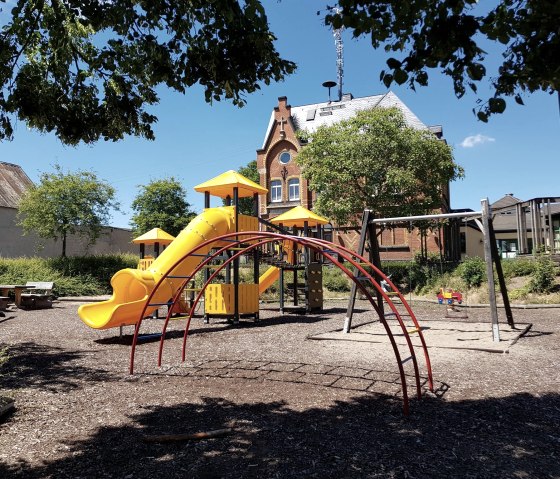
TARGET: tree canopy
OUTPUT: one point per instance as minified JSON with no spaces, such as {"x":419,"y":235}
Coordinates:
{"x":161,"y":204}
{"x":451,"y":36}
{"x":88,"y":70}
{"x":375,"y":161}
{"x":67,"y":203}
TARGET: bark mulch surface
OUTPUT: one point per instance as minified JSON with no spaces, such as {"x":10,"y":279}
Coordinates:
{"x":291,"y":406}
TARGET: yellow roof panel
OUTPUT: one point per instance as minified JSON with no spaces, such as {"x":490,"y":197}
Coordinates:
{"x":297,"y":216}
{"x":155,"y":235}
{"x":223,"y":185}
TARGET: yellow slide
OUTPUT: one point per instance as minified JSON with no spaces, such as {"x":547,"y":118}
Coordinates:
{"x":131,"y":287}
{"x":267,"y":278}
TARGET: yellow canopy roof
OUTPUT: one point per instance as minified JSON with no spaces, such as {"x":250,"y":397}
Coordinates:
{"x":223,"y":185}
{"x":297,"y":216}
{"x":155,"y":235}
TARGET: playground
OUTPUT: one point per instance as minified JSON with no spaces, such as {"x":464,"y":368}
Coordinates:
{"x":185,"y":372}
{"x":296,"y":407}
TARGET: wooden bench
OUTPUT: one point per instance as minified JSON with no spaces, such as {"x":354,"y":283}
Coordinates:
{"x":39,"y":295}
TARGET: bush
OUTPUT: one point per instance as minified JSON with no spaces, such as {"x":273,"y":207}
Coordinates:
{"x":518,"y":294}
{"x":399,"y":271}
{"x":100,"y":268}
{"x":517,"y":267}
{"x":427,"y":273}
{"x":74,"y":276}
{"x":335,"y":280}
{"x":542,"y":279}
{"x":472,"y":271}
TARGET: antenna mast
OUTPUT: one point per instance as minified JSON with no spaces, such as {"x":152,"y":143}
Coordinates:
{"x":337,"y":33}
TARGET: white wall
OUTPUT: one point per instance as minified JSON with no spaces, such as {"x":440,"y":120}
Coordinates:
{"x":14,"y":244}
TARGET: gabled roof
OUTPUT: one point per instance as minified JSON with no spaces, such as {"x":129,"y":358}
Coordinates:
{"x":155,"y":235}
{"x":505,"y":215}
{"x":223,"y":185}
{"x":505,"y":201}
{"x":297,"y":216}
{"x":13,"y":184}
{"x":311,"y":117}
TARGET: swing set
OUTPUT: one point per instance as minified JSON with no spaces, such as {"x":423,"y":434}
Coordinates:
{"x":483,"y":219}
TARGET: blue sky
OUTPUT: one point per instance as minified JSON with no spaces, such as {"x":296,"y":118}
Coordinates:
{"x":516,"y":152}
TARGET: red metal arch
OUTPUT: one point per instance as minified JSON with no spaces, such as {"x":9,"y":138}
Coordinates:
{"x":322,"y":247}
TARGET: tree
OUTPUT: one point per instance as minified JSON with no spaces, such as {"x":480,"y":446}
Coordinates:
{"x":375,"y":161}
{"x":161,"y":204}
{"x":249,"y":171}
{"x":67,"y":203}
{"x":89,"y":69}
{"x":451,"y":35}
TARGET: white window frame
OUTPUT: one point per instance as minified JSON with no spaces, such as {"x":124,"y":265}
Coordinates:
{"x":275,"y":191}
{"x":292,"y":183}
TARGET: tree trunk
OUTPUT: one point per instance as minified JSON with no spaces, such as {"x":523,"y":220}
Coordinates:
{"x":64,"y":245}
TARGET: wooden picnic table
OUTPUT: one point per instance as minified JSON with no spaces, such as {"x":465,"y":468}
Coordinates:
{"x":17,"y":289}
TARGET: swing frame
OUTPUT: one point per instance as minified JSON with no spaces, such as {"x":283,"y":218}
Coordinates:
{"x":483,"y":218}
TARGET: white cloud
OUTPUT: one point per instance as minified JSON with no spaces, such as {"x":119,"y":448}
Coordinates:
{"x":475,"y":140}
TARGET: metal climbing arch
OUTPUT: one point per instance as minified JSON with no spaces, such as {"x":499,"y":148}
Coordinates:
{"x":237,"y":244}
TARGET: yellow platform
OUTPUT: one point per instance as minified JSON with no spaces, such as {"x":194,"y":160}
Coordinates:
{"x":219,"y":299}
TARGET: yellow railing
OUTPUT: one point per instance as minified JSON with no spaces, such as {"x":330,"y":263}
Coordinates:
{"x":145,"y":263}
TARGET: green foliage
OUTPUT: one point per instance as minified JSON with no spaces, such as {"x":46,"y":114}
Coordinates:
{"x":399,"y":271}
{"x":335,"y":280}
{"x":99,"y":268}
{"x":452,"y":37}
{"x":76,"y":276}
{"x":67,"y":203}
{"x":517,"y":294}
{"x":517,"y":267}
{"x":375,"y":161}
{"x":473,"y":271}
{"x":90,"y":70}
{"x":161,"y":204}
{"x":426,"y":272}
{"x":542,"y":278}
{"x":250,"y":171}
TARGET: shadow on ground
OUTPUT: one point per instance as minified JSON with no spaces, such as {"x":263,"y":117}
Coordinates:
{"x":47,"y":367}
{"x":218,"y":324}
{"x":516,"y":436}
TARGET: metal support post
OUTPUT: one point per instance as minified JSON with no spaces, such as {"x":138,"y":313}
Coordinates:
{"x":361,"y":248}
{"x":490,"y":269}
{"x":236,"y":260}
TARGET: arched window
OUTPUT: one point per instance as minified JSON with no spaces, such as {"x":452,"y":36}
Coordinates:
{"x":275,"y":191}
{"x":293,"y":189}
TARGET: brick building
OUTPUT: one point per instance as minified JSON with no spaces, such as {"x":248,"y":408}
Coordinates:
{"x":287,"y":188}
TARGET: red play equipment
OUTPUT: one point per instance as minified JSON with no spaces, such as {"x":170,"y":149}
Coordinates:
{"x":243,"y":243}
{"x":213,"y":244}
{"x":449,"y":296}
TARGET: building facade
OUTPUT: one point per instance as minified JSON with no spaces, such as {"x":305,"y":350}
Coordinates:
{"x":13,"y":243}
{"x":287,"y":188}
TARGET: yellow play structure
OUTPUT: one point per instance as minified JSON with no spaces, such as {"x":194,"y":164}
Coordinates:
{"x":132,"y":287}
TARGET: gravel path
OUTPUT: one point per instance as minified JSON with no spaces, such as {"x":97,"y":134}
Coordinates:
{"x":296,"y":407}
